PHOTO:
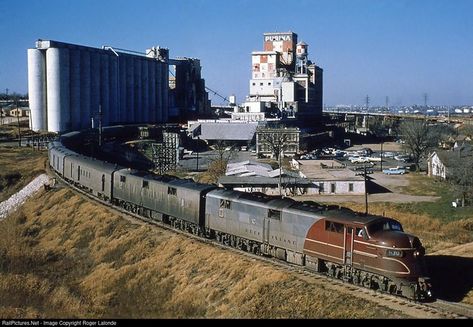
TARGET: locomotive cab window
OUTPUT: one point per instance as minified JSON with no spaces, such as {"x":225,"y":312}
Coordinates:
{"x":334,"y":227}
{"x":122,"y":179}
{"x":172,"y":190}
{"x":360,"y":232}
{"x":386,"y":225}
{"x":225,"y":204}
{"x":274,"y":214}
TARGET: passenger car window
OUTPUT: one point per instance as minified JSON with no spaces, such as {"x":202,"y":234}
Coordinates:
{"x":225,"y":204}
{"x":172,"y":191}
{"x":274,"y":214}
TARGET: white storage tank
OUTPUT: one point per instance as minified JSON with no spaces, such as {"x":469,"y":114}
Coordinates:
{"x":37,"y":89}
{"x":58,"y":92}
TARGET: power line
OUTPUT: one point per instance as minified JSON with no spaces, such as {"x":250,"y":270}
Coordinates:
{"x":217,"y":94}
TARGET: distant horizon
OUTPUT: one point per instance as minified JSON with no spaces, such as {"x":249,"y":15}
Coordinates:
{"x":397,"y":48}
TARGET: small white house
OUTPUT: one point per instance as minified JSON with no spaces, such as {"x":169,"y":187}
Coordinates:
{"x":439,"y":162}
{"x":436,"y":166}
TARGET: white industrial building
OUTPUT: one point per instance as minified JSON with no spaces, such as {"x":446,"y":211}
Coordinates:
{"x":68,"y":84}
{"x":283,"y":81}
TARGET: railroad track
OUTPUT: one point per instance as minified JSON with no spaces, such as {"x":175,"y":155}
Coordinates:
{"x":437,"y":309}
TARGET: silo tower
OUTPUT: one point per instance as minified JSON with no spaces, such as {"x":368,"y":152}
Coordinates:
{"x":301,"y":52}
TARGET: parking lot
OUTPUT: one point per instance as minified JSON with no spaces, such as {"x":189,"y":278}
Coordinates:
{"x":381,"y":187}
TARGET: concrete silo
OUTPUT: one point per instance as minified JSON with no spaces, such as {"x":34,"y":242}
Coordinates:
{"x":138,"y":106}
{"x":159,"y":92}
{"x":68,"y":83}
{"x":74,"y":55}
{"x":85,"y":89}
{"x":114,"y":89}
{"x":145,"y":90}
{"x":122,"y":81}
{"x":130,"y":90}
{"x":58,"y":89}
{"x":94,"y":86}
{"x":152,"y":91}
{"x":37,"y":89}
{"x":105,"y":88}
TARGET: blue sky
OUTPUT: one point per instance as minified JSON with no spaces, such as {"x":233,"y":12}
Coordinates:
{"x":396,"y":48}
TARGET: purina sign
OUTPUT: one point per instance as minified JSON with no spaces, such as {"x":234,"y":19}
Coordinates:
{"x":278,"y":37}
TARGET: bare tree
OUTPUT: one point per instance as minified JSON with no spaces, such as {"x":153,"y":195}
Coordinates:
{"x":218,"y":166}
{"x":275,"y":141}
{"x":419,"y":138}
{"x":460,"y":174}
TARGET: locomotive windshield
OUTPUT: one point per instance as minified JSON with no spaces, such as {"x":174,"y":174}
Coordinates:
{"x":384,"y":225}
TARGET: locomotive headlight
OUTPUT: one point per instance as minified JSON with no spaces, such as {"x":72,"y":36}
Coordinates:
{"x":419,"y":252}
{"x":394,"y":253}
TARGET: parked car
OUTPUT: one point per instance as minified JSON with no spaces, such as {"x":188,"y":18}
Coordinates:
{"x":402,"y":157}
{"x":394,"y":171}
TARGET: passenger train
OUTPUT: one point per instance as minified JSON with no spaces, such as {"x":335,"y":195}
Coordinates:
{"x":367,"y":250}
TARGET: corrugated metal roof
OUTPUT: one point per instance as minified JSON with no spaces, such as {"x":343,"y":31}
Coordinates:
{"x":228,"y":131}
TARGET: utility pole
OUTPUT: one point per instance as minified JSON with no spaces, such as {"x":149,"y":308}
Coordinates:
{"x":364,"y":173}
{"x":367,"y":101}
{"x":197,"y":151}
{"x":280,"y":170}
{"x":18,"y":120}
{"x":387,"y":103}
{"x":366,"y":191}
{"x":381,"y":156}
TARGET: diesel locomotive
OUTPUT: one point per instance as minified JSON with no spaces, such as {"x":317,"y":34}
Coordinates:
{"x":368,"y":250}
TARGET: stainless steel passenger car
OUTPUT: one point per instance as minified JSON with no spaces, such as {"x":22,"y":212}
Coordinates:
{"x":57,"y":153}
{"x":162,"y":198}
{"x":90,"y":174}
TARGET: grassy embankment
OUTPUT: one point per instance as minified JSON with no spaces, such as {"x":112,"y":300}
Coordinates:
{"x":18,"y":166}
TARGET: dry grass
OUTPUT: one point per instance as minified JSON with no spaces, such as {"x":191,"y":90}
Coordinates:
{"x":19,"y":166}
{"x":434,"y":234}
{"x":62,"y":256}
